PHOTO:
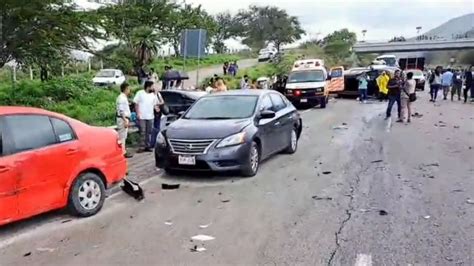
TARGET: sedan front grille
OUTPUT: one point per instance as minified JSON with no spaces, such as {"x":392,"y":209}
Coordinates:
{"x":192,"y":147}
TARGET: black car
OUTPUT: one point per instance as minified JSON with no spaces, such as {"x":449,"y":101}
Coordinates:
{"x":230,"y":131}
{"x":179,"y":101}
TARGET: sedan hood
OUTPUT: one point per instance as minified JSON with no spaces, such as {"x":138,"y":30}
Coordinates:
{"x":205,"y":129}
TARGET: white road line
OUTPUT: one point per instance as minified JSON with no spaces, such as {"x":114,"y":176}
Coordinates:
{"x":363,"y":260}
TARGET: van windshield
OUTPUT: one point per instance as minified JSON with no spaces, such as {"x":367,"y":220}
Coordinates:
{"x":390,"y":61}
{"x":306,"y":76}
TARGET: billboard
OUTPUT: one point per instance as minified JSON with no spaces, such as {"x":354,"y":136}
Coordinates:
{"x":193,"y":43}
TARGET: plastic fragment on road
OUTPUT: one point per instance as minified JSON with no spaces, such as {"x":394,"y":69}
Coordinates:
{"x":168,"y":223}
{"x":27,"y":254}
{"x":342,"y":127}
{"x":204,"y":226}
{"x":327,"y":172}
{"x":202,"y":238}
{"x":198,"y":249}
{"x":427,"y":217}
{"x":470,"y":201}
{"x":383,"y":213}
{"x":377,"y":161}
{"x":45,"y":249}
{"x":225,"y":201}
{"x":66,"y":221}
{"x":169,"y":186}
{"x":133,"y":189}
{"x":321,"y":198}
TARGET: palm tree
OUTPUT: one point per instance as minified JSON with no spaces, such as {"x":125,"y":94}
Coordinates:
{"x":144,"y":43}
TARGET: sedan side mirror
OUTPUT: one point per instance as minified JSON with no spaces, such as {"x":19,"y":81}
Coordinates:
{"x":267,"y":114}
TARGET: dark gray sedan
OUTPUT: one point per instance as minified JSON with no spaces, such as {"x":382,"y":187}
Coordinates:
{"x":230,"y":131}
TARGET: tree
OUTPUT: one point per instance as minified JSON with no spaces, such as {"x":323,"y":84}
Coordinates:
{"x":226,"y":28}
{"x":260,"y":25}
{"x":144,"y":42}
{"x":338,"y":44}
{"x":343,"y":35}
{"x":43,"y":30}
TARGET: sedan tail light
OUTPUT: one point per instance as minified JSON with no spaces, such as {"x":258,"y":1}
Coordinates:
{"x":297,"y":92}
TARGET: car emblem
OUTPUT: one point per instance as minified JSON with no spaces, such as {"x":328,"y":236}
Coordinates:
{"x":189,"y":147}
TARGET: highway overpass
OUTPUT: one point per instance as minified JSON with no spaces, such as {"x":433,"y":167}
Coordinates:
{"x":413,"y":46}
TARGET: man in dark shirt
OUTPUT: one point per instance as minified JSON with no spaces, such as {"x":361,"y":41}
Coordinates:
{"x":469,"y":84}
{"x":394,"y":90}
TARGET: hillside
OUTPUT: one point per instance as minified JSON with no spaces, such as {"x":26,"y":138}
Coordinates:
{"x":459,"y":25}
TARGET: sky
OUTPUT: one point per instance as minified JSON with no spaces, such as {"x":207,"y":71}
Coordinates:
{"x":383,"y":19}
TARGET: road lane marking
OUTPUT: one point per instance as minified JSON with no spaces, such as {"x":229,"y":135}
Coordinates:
{"x":363,"y":260}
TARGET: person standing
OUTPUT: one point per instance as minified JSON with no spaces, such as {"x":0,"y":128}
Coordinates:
{"x":435,"y":83}
{"x":469,"y":84}
{"x":158,"y":112}
{"x":244,"y":83}
{"x":408,"y":89}
{"x":446,"y":82}
{"x":363,"y":88}
{"x":123,"y":116}
{"x":382,"y":82}
{"x":457,"y":85}
{"x":146,"y":102}
{"x":394,"y":91}
{"x":225,"y":68}
{"x":220,"y":86}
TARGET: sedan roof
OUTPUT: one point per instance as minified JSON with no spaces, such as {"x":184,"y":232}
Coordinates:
{"x":242,"y":92}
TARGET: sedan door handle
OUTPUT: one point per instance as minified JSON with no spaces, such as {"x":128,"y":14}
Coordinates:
{"x":4,"y":169}
{"x":72,"y":151}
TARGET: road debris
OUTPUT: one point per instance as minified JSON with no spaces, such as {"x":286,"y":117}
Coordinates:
{"x":456,"y":127}
{"x":45,"y":249}
{"x":66,"y":221}
{"x":377,"y":161}
{"x":169,"y":223}
{"x":220,"y":193}
{"x":204,"y":226}
{"x":169,"y":186}
{"x":198,"y":249}
{"x":457,"y":190}
{"x":27,"y":254}
{"x":225,"y":201}
{"x":416,"y":114}
{"x":202,"y":238}
{"x":327,"y":172}
{"x":432,"y":164}
{"x":427,"y":217}
{"x":131,"y":216}
{"x":342,"y":127}
{"x":321,"y":198}
{"x":470,"y":201}
{"x":431,"y":176}
{"x":133,"y":189}
{"x":344,"y":124}
{"x":383,"y":213}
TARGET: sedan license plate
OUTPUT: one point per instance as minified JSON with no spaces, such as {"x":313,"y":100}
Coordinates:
{"x":304,"y":100}
{"x":186,"y":160}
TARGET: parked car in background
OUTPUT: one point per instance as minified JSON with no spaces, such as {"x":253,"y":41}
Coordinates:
{"x":267,"y":54}
{"x":179,"y":101}
{"x":230,"y":131}
{"x":49,"y":161}
{"x":419,"y":77}
{"x":109,"y":77}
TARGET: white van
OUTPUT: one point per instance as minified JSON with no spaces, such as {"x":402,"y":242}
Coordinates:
{"x":267,"y":54}
{"x":307,"y":83}
{"x":107,"y":77}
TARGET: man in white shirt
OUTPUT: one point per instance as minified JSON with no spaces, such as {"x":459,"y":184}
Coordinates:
{"x":123,"y":115}
{"x":146,"y":102}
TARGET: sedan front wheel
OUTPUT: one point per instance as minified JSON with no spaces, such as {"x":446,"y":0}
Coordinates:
{"x":252,"y":163}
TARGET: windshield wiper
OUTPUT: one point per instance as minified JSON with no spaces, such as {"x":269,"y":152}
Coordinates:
{"x":215,"y":118}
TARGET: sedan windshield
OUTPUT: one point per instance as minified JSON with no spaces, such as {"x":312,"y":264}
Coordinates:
{"x":106,"y":74}
{"x":223,"y":107}
{"x":306,"y":76}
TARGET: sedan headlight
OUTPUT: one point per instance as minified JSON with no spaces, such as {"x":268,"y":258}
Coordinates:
{"x":235,"y":139}
{"x":160,"y":139}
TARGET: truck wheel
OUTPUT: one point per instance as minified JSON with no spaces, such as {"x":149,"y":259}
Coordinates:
{"x":323,"y":102}
{"x":87,"y":195}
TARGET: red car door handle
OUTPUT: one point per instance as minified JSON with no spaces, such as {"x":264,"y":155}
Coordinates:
{"x":71,"y":151}
{"x":4,"y":169}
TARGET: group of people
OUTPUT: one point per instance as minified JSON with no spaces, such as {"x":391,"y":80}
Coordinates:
{"x":451,"y":80}
{"x":230,"y":68}
{"x":148,"y":105}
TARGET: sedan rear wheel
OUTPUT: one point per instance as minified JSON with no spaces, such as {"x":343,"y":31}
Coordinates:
{"x":252,"y":164}
{"x":293,"y":142}
{"x":87,"y":195}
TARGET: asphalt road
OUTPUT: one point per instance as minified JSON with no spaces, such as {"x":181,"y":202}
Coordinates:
{"x":375,"y":193}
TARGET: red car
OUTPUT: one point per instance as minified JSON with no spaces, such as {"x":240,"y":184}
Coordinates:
{"x":49,"y":161}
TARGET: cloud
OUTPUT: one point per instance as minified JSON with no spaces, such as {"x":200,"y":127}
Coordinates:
{"x":382,"y":19}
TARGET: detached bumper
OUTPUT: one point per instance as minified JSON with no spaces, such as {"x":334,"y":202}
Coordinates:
{"x":216,"y":159}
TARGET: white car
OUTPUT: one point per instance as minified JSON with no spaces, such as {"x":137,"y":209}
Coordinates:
{"x":266,"y":54}
{"x":108,"y":77}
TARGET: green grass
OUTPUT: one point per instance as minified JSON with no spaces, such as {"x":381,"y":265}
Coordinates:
{"x":192,"y":63}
